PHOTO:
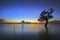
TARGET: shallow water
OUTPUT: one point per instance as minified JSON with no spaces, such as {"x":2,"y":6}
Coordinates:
{"x":27,"y":28}
{"x":12,"y":30}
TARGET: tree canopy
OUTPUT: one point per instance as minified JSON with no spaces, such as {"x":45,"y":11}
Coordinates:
{"x":46,"y":15}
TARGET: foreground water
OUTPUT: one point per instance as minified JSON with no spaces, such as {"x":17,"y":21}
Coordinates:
{"x":28,"y":29}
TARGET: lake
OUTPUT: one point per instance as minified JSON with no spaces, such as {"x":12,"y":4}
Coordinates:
{"x":26,"y":29}
{"x":20,"y":28}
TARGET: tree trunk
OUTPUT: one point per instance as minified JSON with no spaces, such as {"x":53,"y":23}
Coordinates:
{"x":46,"y":28}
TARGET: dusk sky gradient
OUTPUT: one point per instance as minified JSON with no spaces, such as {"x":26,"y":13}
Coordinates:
{"x":27,"y":9}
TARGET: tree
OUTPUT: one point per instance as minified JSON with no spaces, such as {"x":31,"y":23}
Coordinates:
{"x":45,"y":16}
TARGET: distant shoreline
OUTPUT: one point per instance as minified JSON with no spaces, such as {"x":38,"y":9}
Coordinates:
{"x":28,"y":23}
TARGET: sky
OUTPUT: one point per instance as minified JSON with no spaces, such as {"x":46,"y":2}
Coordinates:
{"x":28,"y":10}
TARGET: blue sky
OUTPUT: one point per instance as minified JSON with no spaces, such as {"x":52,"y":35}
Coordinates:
{"x":27,"y":9}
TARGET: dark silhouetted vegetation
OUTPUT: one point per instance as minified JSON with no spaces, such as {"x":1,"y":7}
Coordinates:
{"x":45,"y":16}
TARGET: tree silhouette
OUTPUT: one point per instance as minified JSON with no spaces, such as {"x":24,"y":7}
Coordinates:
{"x":45,"y":16}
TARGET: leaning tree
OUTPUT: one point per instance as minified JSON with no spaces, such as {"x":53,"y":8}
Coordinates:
{"x":45,"y":16}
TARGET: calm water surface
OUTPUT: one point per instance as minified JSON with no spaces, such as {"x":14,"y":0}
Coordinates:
{"x":27,"y":28}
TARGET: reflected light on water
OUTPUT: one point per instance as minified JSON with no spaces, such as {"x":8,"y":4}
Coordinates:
{"x":21,"y":28}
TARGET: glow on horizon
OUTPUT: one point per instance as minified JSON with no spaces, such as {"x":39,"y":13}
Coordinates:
{"x":20,"y":20}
